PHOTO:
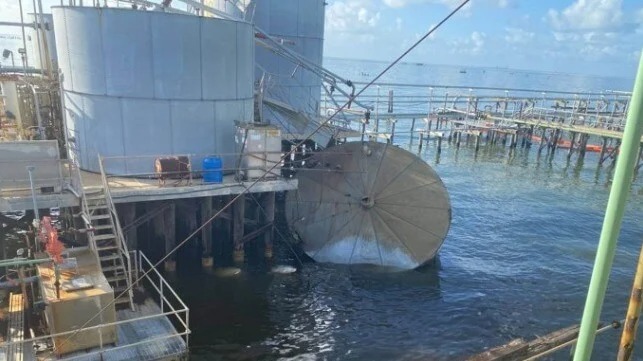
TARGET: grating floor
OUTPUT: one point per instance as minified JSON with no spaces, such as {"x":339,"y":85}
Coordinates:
{"x":165,"y":343}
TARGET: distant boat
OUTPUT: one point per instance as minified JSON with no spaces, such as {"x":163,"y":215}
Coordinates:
{"x":463,"y":71}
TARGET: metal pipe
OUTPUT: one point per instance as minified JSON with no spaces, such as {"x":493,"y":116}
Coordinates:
{"x":44,"y":39}
{"x":14,"y":23}
{"x":612,"y":223}
{"x":13,"y":283}
{"x":37,"y":22}
{"x":13,"y":262}
{"x":30,"y":169}
{"x":25,"y":62}
{"x":628,"y":336}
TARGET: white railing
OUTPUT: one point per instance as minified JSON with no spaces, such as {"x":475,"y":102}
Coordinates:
{"x":606,"y":109}
{"x":172,"y":308}
{"x":146,"y":267}
{"x":240,"y":165}
{"x":85,"y":213}
{"x":122,"y":244}
{"x":61,"y":174}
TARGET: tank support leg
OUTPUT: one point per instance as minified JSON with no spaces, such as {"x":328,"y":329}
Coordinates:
{"x":269,"y":207}
{"x":206,"y":233}
{"x":238,"y":210}
{"x":168,"y":226}
{"x":127,"y":213}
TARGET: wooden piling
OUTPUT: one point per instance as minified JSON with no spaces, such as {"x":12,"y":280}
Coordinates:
{"x":269,"y":219}
{"x":633,"y":312}
{"x":542,"y":141}
{"x":206,"y":233}
{"x":514,"y":141}
{"x":127,"y":213}
{"x":571,"y":145}
{"x":168,"y":228}
{"x":421,"y":141}
{"x":458,"y":139}
{"x":412,"y":133}
{"x":601,"y":157}
{"x":478,"y":141}
{"x":238,"y":214}
{"x":439,"y":144}
{"x":582,"y":148}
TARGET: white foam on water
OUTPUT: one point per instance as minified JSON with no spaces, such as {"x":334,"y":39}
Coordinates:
{"x":363,"y":251}
{"x":283,"y":269}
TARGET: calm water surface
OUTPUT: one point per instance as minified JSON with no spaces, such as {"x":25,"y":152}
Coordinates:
{"x":516,"y":262}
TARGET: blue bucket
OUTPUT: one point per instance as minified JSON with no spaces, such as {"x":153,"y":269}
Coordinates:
{"x":212,"y":170}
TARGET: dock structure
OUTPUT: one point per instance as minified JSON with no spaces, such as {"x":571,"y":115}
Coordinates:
{"x":578,"y":122}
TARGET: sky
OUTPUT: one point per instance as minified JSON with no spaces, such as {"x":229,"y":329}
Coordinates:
{"x":597,"y":37}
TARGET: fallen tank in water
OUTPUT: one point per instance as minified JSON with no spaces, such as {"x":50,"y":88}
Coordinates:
{"x":369,"y":203}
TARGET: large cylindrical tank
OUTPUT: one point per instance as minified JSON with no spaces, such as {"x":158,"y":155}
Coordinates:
{"x":37,"y":53}
{"x":143,"y":83}
{"x":300,"y":24}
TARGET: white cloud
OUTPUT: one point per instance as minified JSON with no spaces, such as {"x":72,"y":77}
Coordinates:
{"x":452,"y":4}
{"x":472,"y":45}
{"x":587,"y":15}
{"x":518,"y":36}
{"x":398,"y":23}
{"x":477,"y":40}
{"x":351,"y":16}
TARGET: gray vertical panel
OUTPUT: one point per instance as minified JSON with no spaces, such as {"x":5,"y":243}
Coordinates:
{"x":128,"y":53}
{"x":51,"y":39}
{"x":249,"y":110}
{"x":308,"y":18}
{"x":176,"y":48}
{"x":104,"y":132}
{"x":72,"y":114}
{"x":245,"y":60}
{"x":283,"y":17}
{"x":218,"y":56}
{"x":84,"y":48}
{"x":193,"y":129}
{"x":226,"y":112}
{"x":262,"y":15}
{"x":60,"y":27}
{"x":147,"y":132}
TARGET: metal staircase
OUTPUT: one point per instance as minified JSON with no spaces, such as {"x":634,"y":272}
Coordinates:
{"x":107,"y":240}
{"x":110,"y":248}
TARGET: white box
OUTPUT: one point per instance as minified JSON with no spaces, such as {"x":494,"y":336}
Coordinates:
{"x":259,"y":148}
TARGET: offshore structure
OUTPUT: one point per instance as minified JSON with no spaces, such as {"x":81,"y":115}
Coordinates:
{"x":151,"y":128}
{"x":155,"y":127}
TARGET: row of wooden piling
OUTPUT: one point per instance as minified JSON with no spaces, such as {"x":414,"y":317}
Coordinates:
{"x":514,"y":138}
{"x":249,"y":221}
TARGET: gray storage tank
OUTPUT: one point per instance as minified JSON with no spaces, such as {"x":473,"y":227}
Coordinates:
{"x":299,"y":25}
{"x":144,"y":83}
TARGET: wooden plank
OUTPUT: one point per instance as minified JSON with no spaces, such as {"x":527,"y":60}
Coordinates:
{"x":16,"y":326}
{"x":512,"y":351}
{"x":519,"y":349}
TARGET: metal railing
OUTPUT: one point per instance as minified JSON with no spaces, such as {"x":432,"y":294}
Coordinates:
{"x":241,"y":165}
{"x":171,"y":308}
{"x":59,"y":174}
{"x":473,"y":108}
{"x":122,"y":245}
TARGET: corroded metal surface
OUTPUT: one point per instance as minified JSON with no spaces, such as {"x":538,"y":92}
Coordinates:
{"x":369,"y":203}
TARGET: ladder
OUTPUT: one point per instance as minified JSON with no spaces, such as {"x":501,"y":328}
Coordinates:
{"x":109,"y":244}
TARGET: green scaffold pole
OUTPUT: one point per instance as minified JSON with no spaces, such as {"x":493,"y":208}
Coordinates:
{"x":612,"y":221}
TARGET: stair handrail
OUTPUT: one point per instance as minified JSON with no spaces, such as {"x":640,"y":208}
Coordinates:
{"x":122,"y":244}
{"x":84,"y":208}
